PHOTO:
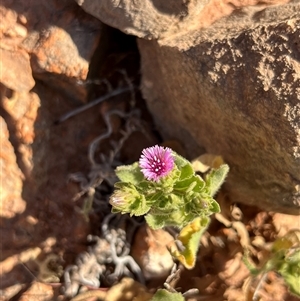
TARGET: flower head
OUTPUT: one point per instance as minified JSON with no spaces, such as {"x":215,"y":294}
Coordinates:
{"x":156,"y":162}
{"x":126,"y":199}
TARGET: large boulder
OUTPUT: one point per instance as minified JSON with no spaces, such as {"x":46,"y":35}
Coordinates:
{"x":177,"y":22}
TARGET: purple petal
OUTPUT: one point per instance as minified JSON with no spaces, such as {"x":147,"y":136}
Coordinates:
{"x":156,"y":162}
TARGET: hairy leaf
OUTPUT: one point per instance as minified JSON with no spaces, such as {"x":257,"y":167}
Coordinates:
{"x":139,"y":207}
{"x":190,"y":237}
{"x":290,"y":271}
{"x":180,"y":162}
{"x":215,"y":179}
{"x":130,"y":173}
{"x":155,"y":221}
{"x":186,"y":172}
{"x":126,"y":199}
{"x":215,"y":207}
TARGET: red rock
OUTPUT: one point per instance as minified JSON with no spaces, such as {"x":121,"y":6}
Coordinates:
{"x":11,"y":177}
{"x":168,"y":20}
{"x":23,"y":109}
{"x":15,"y":70}
{"x":9,"y":292}
{"x":59,"y":38}
{"x":38,"y":291}
{"x":284,"y":223}
{"x":150,"y":252}
{"x":15,"y":62}
{"x":61,"y":48}
{"x":12,"y":29}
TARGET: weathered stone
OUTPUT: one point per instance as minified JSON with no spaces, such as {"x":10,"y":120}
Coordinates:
{"x":60,"y":39}
{"x":38,"y":290}
{"x":150,"y":252}
{"x":11,"y":202}
{"x":15,"y":70}
{"x":22,"y":108}
{"x":12,"y":28}
{"x":143,"y":18}
{"x":174,"y":22}
{"x":239,"y":97}
{"x":223,"y":18}
{"x":284,"y":223}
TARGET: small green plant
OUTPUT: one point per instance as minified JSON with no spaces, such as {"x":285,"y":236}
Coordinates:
{"x":164,"y":187}
{"x":284,"y":258}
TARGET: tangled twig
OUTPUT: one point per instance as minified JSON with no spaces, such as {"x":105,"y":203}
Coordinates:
{"x":111,"y":249}
{"x":173,"y":278}
{"x":108,"y":258}
{"x":92,"y":104}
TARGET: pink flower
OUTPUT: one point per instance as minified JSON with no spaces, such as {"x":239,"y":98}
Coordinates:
{"x":156,"y":162}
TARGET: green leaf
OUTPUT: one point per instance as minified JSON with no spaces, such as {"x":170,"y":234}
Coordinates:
{"x":294,"y":258}
{"x":180,"y":162}
{"x":291,"y":276}
{"x":123,"y":185}
{"x":155,"y":221}
{"x":130,"y":173}
{"x":166,"y":184}
{"x":193,"y":184}
{"x":165,"y":204}
{"x":183,"y":185}
{"x":293,"y":283}
{"x":290,"y":271}
{"x":215,"y":179}
{"x":176,"y":201}
{"x":215,"y":207}
{"x":200,"y":184}
{"x":162,"y":212}
{"x":126,"y":199}
{"x":154,"y":198}
{"x":139,"y":208}
{"x":190,"y":237}
{"x":186,"y":171}
{"x":164,"y":295}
